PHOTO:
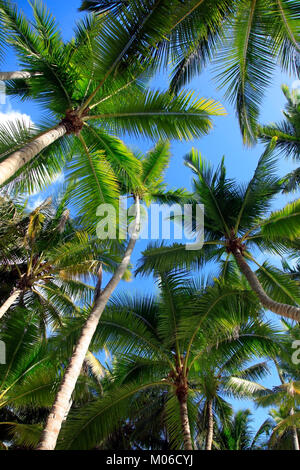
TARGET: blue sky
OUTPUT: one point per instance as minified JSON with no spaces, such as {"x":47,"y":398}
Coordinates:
{"x":224,"y":139}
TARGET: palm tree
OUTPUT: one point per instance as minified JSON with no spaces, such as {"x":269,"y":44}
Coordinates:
{"x":164,"y":344}
{"x":236,"y":224}
{"x":92,"y":86}
{"x":153,"y":165}
{"x":44,"y":259}
{"x":287,"y":134}
{"x":248,"y":38}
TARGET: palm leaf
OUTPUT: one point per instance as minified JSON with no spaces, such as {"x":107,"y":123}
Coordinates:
{"x":249,"y":62}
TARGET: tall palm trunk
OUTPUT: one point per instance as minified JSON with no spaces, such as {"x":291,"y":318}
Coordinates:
{"x":18,"y":159}
{"x":288,"y":311}
{"x":210,"y":426}
{"x":294,"y":433}
{"x":295,"y":439}
{"x":17,"y":75}
{"x":185,"y":423}
{"x":9,"y":302}
{"x":59,"y":410}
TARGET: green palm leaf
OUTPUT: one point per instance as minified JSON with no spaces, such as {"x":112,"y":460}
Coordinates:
{"x":282,"y":223}
{"x":160,"y":115}
{"x":94,"y":422}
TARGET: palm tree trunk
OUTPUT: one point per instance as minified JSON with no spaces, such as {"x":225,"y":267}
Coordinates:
{"x":294,"y":433}
{"x":295,"y":439}
{"x":18,"y":159}
{"x":288,"y":311}
{"x":210,"y":426}
{"x":59,"y":409}
{"x":9,"y":302}
{"x":185,"y":423}
{"x":18,"y":75}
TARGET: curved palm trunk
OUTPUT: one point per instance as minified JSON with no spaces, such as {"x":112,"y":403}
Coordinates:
{"x":18,"y":159}
{"x":210,"y":426}
{"x":9,"y":302}
{"x":185,"y":424}
{"x":17,"y":75}
{"x":288,"y":311}
{"x":62,"y":401}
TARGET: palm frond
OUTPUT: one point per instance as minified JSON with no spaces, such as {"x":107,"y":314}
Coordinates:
{"x":161,"y":115}
{"x":283,"y":223}
{"x":86,"y":428}
{"x":246,"y":65}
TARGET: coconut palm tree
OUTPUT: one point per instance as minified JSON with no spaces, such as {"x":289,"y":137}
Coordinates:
{"x":247,"y":38}
{"x":238,"y":223}
{"x":283,"y":435}
{"x":153,"y":165}
{"x":92,"y":87}
{"x":287,"y":134}
{"x":237,"y":433}
{"x":46,"y":261}
{"x":221,"y":378}
{"x":163,"y":344}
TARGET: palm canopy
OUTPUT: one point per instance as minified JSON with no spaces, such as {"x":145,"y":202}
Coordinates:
{"x":48,"y":258}
{"x":93,"y":87}
{"x":287,"y":134}
{"x":245,"y":38}
{"x":168,"y":343}
{"x":236,"y":225}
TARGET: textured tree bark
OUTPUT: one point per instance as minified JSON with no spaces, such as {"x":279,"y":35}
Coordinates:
{"x":59,"y":410}
{"x":285,"y":310}
{"x":17,"y":75}
{"x":18,"y":159}
{"x":185,"y":424}
{"x":210,"y":426}
{"x":9,"y":302}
